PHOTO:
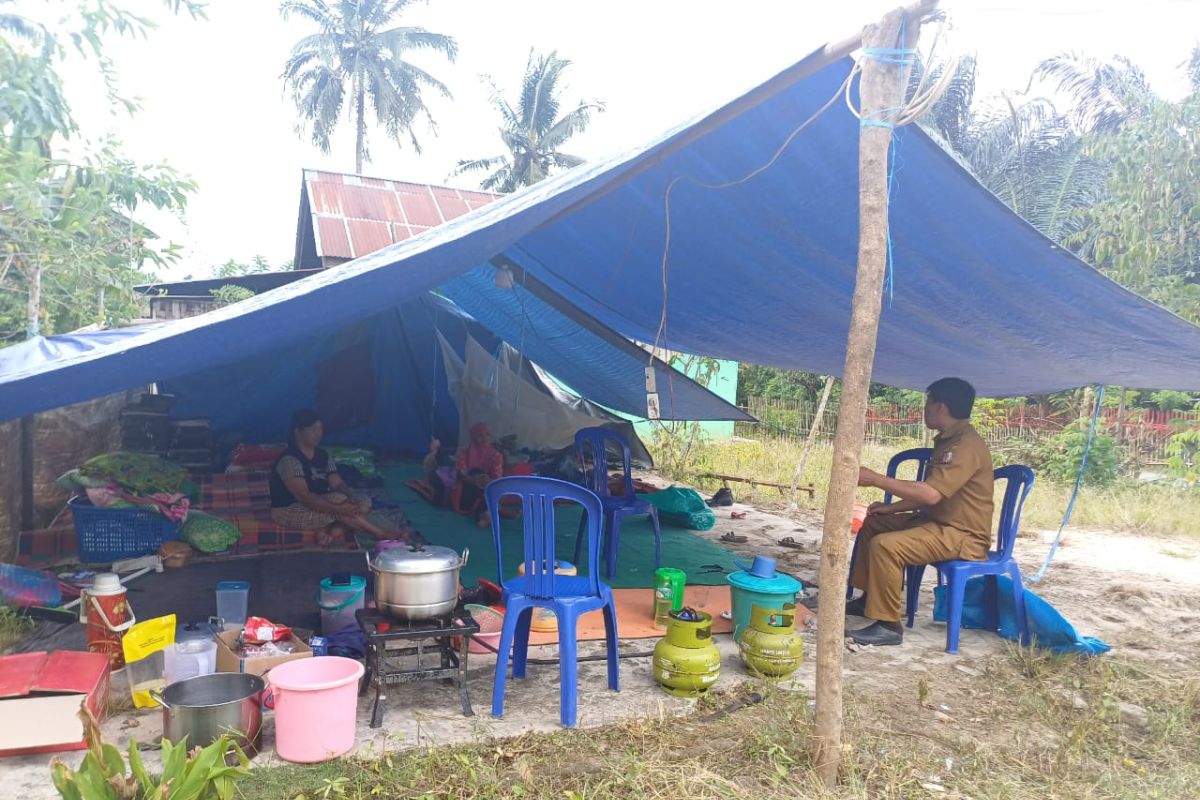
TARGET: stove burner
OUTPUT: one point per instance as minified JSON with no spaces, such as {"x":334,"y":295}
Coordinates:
{"x":425,"y":638}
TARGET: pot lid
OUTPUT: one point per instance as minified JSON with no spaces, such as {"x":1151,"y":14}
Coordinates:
{"x":417,"y":560}
{"x":778,"y":583}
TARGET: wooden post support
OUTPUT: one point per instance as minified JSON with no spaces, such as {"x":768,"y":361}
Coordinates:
{"x":808,"y":443}
{"x":881,"y":87}
{"x":27,"y":515}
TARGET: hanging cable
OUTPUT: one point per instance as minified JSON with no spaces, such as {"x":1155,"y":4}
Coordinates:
{"x":1074,"y":492}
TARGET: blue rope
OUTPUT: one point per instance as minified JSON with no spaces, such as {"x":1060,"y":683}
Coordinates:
{"x":1075,"y":492}
{"x":890,"y":55}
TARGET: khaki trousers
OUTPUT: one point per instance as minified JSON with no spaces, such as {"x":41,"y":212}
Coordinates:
{"x":890,"y":542}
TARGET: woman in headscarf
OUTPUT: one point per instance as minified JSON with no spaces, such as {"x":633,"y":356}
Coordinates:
{"x":308,"y":494}
{"x":478,"y":464}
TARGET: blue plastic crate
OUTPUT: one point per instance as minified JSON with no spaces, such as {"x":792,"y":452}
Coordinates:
{"x":110,"y":534}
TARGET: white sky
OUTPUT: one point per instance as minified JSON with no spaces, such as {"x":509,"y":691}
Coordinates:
{"x":215,"y":108}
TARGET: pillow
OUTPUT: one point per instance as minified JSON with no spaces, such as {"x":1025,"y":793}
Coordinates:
{"x":209,"y":534}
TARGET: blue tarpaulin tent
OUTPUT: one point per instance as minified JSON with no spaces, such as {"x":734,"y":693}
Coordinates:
{"x":761,"y":271}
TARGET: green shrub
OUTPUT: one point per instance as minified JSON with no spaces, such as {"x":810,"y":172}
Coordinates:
{"x":1183,"y":453}
{"x":1060,"y":456}
{"x":202,"y":774}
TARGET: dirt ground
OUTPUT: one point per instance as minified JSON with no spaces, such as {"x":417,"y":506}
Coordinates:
{"x":1139,"y":594}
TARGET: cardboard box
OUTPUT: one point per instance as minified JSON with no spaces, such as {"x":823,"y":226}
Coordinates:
{"x":40,"y":695}
{"x":229,"y":661}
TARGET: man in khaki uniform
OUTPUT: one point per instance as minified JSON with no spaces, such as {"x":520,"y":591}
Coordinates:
{"x":946,"y":516}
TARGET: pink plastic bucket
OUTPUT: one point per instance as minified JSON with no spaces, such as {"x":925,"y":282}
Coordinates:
{"x":316,"y":705}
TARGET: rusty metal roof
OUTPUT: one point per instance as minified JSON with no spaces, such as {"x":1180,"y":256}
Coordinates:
{"x":348,"y":216}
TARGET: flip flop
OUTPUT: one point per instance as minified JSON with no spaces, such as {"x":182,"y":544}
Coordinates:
{"x":733,"y":538}
{"x":788,"y":541}
{"x":737,"y":514}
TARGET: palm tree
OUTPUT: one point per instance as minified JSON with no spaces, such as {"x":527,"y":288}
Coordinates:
{"x":1106,"y":94}
{"x":533,"y":132}
{"x":20,"y":27}
{"x":1025,"y":151}
{"x":360,"y":55}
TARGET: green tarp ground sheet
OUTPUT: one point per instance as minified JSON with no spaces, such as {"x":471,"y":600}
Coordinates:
{"x":682,"y":549}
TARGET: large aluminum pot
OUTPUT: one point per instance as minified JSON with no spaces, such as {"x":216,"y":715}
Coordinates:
{"x":417,"y":582}
{"x":206,"y":707}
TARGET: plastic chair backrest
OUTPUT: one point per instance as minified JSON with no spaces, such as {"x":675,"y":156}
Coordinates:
{"x":918,"y":454}
{"x":592,"y":444}
{"x":1019,"y":481}
{"x":538,"y":497}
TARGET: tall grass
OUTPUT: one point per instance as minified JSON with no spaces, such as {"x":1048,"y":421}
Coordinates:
{"x":1123,"y":506}
{"x":1043,"y":727}
{"x":13,"y":628}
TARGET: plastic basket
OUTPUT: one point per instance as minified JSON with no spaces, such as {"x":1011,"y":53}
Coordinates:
{"x":109,"y":534}
{"x":491,"y":623}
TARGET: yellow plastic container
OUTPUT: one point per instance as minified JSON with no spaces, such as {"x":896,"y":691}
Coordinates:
{"x":544,"y":620}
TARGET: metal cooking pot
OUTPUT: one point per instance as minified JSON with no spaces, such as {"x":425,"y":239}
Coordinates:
{"x":206,"y":707}
{"x":417,"y":582}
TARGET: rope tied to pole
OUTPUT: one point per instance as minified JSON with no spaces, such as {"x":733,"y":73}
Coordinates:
{"x":1087,"y":448}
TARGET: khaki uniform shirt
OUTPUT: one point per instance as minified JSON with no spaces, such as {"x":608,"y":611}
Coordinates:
{"x":960,"y":468}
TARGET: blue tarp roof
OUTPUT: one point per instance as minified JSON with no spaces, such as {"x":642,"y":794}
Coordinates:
{"x":760,"y":272}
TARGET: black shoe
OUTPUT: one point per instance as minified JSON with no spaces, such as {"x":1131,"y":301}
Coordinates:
{"x":857,"y":607}
{"x":880,"y":634}
{"x":723,"y":497}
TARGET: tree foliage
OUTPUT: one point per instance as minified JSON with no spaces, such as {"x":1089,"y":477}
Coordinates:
{"x":233,"y":268}
{"x":70,"y":247}
{"x":533,"y":131}
{"x":1145,"y":233}
{"x":359,"y":57}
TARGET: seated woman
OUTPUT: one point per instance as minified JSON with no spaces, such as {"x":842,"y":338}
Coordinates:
{"x":308,"y":494}
{"x":477,"y":465}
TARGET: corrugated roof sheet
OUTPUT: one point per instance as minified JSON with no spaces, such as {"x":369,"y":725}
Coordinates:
{"x":354,"y":215}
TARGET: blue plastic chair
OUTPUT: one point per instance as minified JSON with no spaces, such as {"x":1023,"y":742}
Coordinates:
{"x":920,"y":455}
{"x":539,"y":587}
{"x":954,"y":574}
{"x":591,"y":446}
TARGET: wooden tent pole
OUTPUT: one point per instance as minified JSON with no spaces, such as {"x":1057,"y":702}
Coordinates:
{"x":808,"y":443}
{"x":881,"y":87}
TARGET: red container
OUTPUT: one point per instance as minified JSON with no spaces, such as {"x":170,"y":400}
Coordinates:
{"x":858,"y":517}
{"x":108,"y":617}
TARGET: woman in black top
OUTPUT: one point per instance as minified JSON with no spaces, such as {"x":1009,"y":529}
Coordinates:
{"x":308,"y":494}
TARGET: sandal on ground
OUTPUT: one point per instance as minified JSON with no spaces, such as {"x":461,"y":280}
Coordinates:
{"x":723,"y":497}
{"x":788,"y":541}
{"x":737,"y":514}
{"x":733,"y":538}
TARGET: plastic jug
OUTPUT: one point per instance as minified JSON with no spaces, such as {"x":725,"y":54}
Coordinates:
{"x":189,"y":659}
{"x":233,"y":599}
{"x":340,"y":596}
{"x":668,"y":593}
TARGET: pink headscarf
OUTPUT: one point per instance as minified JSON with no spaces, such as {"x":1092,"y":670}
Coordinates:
{"x":480,"y":456}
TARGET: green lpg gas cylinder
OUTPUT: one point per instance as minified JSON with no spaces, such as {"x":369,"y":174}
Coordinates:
{"x":686,"y":662}
{"x":770,"y":645}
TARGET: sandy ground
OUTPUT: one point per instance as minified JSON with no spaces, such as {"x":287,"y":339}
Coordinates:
{"x":1140,"y":594}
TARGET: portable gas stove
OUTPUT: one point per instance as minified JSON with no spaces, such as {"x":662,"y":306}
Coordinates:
{"x":389,"y":643}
